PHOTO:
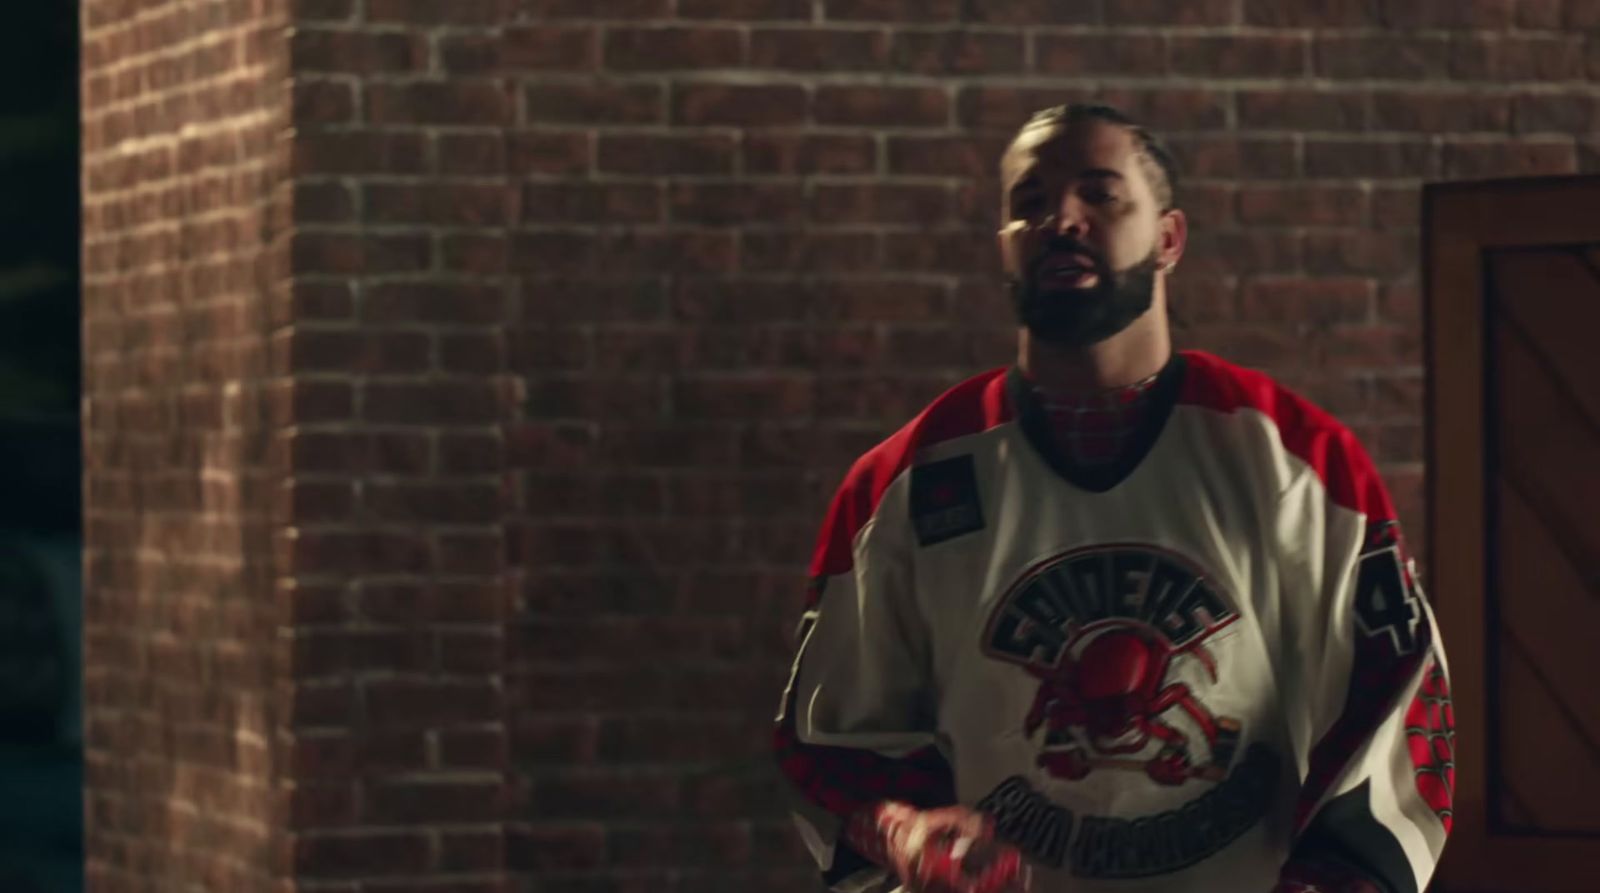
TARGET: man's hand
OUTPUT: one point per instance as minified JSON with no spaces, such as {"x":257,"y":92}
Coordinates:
{"x":948,"y":850}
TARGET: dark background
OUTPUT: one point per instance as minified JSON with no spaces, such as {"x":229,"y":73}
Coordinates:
{"x":40,"y":530}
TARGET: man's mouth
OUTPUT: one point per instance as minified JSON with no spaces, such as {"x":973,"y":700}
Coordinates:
{"x":1068,"y":271}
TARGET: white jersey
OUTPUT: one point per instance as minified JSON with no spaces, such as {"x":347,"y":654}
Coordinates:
{"x":1168,"y":674}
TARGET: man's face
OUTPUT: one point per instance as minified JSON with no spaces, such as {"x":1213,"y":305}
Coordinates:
{"x":1083,"y":231}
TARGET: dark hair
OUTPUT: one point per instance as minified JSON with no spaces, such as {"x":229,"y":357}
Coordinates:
{"x":1158,"y":158}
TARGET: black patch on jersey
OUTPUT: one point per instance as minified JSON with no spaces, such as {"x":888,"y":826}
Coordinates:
{"x":1385,"y":604}
{"x":944,"y":500}
{"x":1345,"y":830}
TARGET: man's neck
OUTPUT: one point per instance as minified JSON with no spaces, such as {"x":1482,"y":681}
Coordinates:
{"x":1129,"y":357}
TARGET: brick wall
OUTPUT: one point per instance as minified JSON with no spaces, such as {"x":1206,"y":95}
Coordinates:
{"x":581,"y":311}
{"x":184,"y":196}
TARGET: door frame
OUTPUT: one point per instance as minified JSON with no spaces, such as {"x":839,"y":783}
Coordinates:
{"x":1460,"y":222}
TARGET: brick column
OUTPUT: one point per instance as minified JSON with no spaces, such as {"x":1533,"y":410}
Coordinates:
{"x":294,"y":403}
{"x":186,"y":202}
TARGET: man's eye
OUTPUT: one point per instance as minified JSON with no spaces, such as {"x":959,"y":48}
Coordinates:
{"x":1098,"y":196}
{"x":1027,"y":206}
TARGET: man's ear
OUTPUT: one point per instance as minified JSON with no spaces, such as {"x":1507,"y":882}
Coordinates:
{"x":1174,"y":236}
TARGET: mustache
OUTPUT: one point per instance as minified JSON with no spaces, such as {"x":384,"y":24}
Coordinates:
{"x":1061,"y":245}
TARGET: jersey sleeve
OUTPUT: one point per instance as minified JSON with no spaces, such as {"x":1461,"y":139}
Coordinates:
{"x":1366,"y":682}
{"x":856,"y":723}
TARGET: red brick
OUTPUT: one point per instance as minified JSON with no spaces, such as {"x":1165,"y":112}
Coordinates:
{"x":1400,"y":302}
{"x":1387,"y":253}
{"x":666,"y":155}
{"x":1399,"y":206}
{"x":476,"y":154}
{"x":323,"y":102}
{"x":410,"y":704}
{"x":1409,"y":57}
{"x":799,"y":10}
{"x":615,"y":9}
{"x":1007,"y":108}
{"x":584,"y":202}
{"x":818,"y":49}
{"x":1374,"y":347}
{"x":1376,"y":159}
{"x":318,"y":654}
{"x":458,"y":204}
{"x":1120,"y":54}
{"x":299,"y":402}
{"x":335,"y":553}
{"x":1162,"y":12}
{"x":1250,"y":56}
{"x":308,"y":10}
{"x":956,"y":52}
{"x":878,"y":300}
{"x":1462,"y":14}
{"x":1302,"y":110}
{"x":1555,"y":113}
{"x":315,"y":451}
{"x":765,"y":397}
{"x":437,"y":402}
{"x":1441,"y":112}
{"x":942,"y":252}
{"x":813,"y":252}
{"x":668,"y":251}
{"x":735,"y":104}
{"x":1230,"y":156}
{"x":522,"y":49}
{"x":313,"y":252}
{"x":1226,"y":252}
{"x":341,"y":152}
{"x":473,"y":851}
{"x":892,"y":10}
{"x":600,"y":103}
{"x":1499,"y":159}
{"x":321,"y":704}
{"x":736,"y":203}
{"x":1314,"y":13}
{"x":473,"y":748}
{"x":1318,"y":303}
{"x":880,"y":204}
{"x":556,"y":848}
{"x":734,"y":300}
{"x":547,"y":153}
{"x":1503,"y":58}
{"x":1172,"y":109}
{"x":477,"y":252}
{"x":452,"y":102}
{"x":1302,"y":205}
{"x":430,"y":802}
{"x":883,"y":106}
{"x":974,"y":157}
{"x":434,"y":12}
{"x":360,"y":853}
{"x":323,"y":202}
{"x":660,"y":49}
{"x":452,"y":503}
{"x":315,"y":49}
{"x":313,"y":350}
{"x":791,"y":155}
{"x":1579,"y":15}
{"x":1540,"y":14}
{"x":409,"y":302}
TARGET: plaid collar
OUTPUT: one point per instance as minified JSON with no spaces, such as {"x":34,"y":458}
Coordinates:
{"x":1093,"y":428}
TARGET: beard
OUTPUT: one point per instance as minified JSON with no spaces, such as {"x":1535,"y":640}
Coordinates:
{"x":1079,"y":317}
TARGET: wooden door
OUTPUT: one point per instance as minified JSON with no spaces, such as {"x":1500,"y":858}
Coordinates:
{"x":1512,"y":297}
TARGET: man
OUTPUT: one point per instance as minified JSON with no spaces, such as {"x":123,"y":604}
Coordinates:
{"x":1118,"y":618}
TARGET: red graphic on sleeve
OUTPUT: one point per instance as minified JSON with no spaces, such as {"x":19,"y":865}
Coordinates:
{"x":1431,"y":730}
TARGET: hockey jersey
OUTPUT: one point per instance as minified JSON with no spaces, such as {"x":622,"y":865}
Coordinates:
{"x":1166,"y":674}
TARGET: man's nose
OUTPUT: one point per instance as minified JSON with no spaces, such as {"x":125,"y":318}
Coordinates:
{"x":1069,"y":218}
